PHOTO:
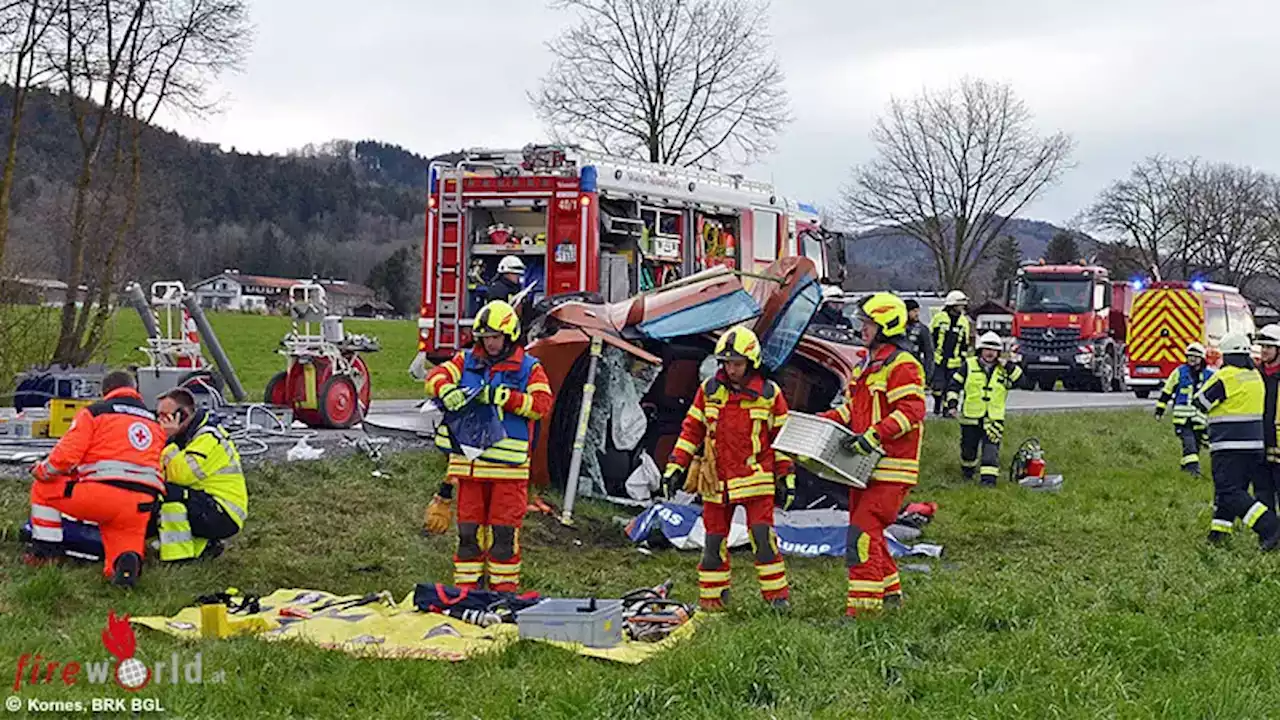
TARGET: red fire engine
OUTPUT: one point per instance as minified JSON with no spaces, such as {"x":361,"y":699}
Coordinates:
{"x":592,"y":226}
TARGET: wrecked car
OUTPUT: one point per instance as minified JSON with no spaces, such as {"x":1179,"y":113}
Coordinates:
{"x":656,"y":349}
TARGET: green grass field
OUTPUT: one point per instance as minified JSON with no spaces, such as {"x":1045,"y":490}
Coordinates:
{"x":251,"y":342}
{"x":1100,"y":601}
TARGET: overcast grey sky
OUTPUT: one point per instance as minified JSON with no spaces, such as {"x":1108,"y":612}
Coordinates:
{"x":1126,"y":78}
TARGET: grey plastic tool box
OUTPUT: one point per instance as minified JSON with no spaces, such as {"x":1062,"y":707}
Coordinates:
{"x":593,"y":623}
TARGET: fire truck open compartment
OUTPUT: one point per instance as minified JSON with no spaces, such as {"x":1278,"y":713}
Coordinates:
{"x":497,"y":232}
{"x":657,"y":243}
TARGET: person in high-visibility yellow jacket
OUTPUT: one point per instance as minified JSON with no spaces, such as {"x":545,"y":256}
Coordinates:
{"x":985,"y":383}
{"x":952,"y":334}
{"x":1188,"y":422}
{"x":1234,"y":399}
{"x":205,"y":498}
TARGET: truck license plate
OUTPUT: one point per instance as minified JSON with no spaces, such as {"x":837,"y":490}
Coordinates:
{"x":1049,"y":358}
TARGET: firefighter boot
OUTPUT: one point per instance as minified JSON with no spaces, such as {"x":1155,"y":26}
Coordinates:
{"x":781,"y":604}
{"x":893,"y":601}
{"x":126,"y":567}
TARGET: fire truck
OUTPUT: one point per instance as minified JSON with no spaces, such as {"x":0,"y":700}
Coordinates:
{"x":1070,"y":323}
{"x":592,"y":227}
{"x":1170,"y":314}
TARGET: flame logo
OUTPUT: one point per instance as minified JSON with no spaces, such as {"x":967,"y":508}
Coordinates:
{"x":118,"y":638}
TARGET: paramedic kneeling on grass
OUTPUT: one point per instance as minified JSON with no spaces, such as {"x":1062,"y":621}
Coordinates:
{"x":205,"y":499}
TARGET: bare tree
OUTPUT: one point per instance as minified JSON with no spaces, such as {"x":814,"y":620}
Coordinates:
{"x":23,"y":27}
{"x":952,"y":167}
{"x":1142,"y":211}
{"x":680,"y":82}
{"x":1229,"y":222}
{"x":121,"y":62}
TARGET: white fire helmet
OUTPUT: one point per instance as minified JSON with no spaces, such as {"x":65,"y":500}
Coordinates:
{"x":990,"y":341}
{"x":954,"y":298}
{"x":511,"y":264}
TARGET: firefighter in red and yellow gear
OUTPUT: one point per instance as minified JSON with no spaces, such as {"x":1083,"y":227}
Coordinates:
{"x":105,"y":470}
{"x":493,"y":488}
{"x":885,"y":406}
{"x":735,"y":416}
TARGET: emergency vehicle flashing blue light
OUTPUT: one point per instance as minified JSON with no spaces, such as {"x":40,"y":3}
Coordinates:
{"x":587,"y":179}
{"x":1137,"y":284}
{"x":1197,"y":285}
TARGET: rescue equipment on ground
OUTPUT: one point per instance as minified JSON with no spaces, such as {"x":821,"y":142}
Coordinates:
{"x":1028,"y":469}
{"x":817,"y":445}
{"x":801,"y":533}
{"x":375,"y":625}
{"x":326,"y":383}
{"x":591,"y":622}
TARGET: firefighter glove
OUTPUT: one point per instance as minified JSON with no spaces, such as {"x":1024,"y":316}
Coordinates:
{"x":436,"y":519}
{"x":995,"y":430}
{"x":673,"y":480}
{"x":453,"y":397}
{"x":787,"y":491}
{"x":864,"y":444}
{"x":1159,"y":412}
{"x":490,"y":395}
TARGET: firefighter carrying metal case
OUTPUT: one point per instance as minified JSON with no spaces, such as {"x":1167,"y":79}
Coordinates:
{"x":815,"y":443}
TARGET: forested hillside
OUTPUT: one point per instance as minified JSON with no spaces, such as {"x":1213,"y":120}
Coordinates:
{"x":334,"y":210}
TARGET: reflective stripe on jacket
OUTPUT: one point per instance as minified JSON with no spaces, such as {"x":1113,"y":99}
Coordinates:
{"x":1234,"y":399}
{"x":529,"y":400}
{"x":742,"y":424}
{"x":115,"y":439}
{"x":886,"y":392}
{"x":1181,"y":388}
{"x":950,"y":339}
{"x":985,"y":388}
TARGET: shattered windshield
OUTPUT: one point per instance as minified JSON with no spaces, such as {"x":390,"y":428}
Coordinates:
{"x":1066,"y":295}
{"x":699,"y":318}
{"x":785,"y":334}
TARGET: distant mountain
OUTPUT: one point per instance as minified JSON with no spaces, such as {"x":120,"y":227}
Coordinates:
{"x":886,"y":257}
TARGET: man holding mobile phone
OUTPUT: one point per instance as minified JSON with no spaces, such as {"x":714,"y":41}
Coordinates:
{"x":205,"y":498}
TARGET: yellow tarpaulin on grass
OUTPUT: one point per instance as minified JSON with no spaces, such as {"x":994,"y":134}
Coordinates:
{"x":384,"y":628}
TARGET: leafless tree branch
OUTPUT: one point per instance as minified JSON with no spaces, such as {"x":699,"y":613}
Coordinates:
{"x":680,"y":82}
{"x":952,"y":167}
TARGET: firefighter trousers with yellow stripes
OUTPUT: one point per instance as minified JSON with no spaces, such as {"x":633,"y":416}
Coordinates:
{"x":713,"y":571}
{"x":973,"y":438}
{"x":1233,"y":471}
{"x":873,"y":575}
{"x":490,"y":513}
{"x":1189,"y":434}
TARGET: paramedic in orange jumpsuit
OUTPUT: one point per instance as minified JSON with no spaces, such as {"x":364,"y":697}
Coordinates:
{"x":885,"y":405}
{"x":738,"y":413}
{"x":493,"y":489}
{"x":106,"y":470}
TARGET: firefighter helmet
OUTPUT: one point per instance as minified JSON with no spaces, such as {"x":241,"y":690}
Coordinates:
{"x":739,"y":343}
{"x":1195,"y":349}
{"x":955,"y":298}
{"x":1235,"y":343}
{"x":1269,"y":336}
{"x":886,"y":310}
{"x":511,"y":264}
{"x":831,"y":292}
{"x":990,"y":341}
{"x":497,"y":318}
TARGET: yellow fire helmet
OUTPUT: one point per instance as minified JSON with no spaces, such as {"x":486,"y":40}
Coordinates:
{"x":886,"y":310}
{"x":739,"y":343}
{"x":497,"y":318}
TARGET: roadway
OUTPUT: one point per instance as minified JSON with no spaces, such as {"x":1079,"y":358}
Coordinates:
{"x":1020,"y":401}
